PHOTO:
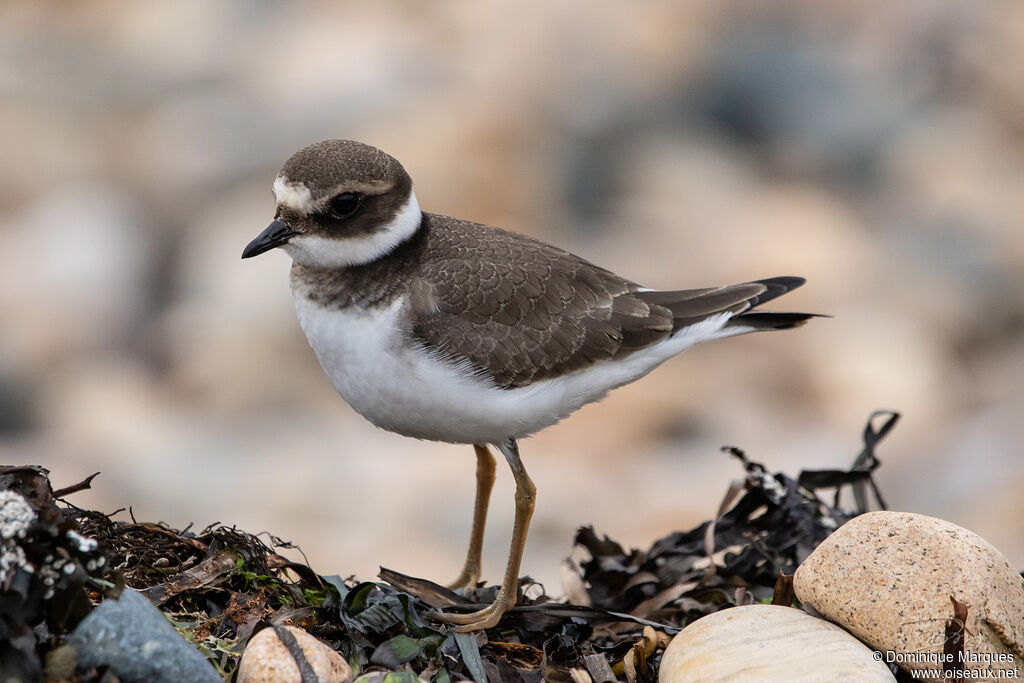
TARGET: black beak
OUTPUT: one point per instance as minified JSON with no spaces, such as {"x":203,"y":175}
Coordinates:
{"x":276,"y":234}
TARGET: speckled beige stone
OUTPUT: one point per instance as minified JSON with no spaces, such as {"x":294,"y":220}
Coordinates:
{"x":888,"y":577}
{"x":767,"y":643}
{"x":267,"y":660}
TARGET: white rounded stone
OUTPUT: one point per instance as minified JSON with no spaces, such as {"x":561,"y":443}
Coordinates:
{"x":767,"y":643}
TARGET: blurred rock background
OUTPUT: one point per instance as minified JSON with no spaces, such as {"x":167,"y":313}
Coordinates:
{"x":876,"y":148}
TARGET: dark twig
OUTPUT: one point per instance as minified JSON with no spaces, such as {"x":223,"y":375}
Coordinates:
{"x":75,"y":488}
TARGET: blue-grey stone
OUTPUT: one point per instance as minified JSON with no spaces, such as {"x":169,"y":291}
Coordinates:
{"x":133,"y":638}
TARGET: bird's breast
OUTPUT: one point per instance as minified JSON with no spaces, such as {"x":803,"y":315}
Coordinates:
{"x":398,"y":384}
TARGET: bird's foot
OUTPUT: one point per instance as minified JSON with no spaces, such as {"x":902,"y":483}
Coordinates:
{"x":486,"y":618}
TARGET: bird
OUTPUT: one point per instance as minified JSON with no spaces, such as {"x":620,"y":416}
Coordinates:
{"x":447,"y":330}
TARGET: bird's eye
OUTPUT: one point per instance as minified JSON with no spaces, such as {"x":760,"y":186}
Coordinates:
{"x":345,"y":204}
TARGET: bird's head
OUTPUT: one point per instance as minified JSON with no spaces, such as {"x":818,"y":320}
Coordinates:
{"x":339,"y":203}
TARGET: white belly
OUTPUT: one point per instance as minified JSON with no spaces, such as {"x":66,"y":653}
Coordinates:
{"x":402,"y":387}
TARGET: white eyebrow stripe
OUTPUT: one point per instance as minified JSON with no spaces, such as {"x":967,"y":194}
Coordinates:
{"x":294,"y":195}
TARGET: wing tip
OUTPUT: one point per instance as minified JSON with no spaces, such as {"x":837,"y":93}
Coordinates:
{"x":774,"y":287}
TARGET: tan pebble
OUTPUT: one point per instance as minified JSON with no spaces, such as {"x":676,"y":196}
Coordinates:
{"x":267,"y":660}
{"x":888,"y":577}
{"x":767,"y":643}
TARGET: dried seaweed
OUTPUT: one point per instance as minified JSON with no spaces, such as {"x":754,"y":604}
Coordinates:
{"x":222,"y":585}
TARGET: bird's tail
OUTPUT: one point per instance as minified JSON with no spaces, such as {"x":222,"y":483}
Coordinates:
{"x":765,"y":320}
{"x":691,"y":306}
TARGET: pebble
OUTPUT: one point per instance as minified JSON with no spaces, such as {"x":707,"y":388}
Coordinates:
{"x":887,"y":577}
{"x":767,"y":643}
{"x":136,"y":641}
{"x":267,"y":660}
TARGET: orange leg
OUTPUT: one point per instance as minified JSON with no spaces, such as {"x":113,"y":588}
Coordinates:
{"x":526,"y":494}
{"x":484,"y":483}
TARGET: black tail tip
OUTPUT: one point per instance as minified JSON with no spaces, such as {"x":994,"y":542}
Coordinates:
{"x":764,"y":320}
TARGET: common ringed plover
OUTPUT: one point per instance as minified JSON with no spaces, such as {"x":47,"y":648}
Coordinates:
{"x":443,"y":329}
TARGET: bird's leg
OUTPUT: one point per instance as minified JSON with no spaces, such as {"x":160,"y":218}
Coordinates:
{"x":484,"y":483}
{"x":526,"y":493}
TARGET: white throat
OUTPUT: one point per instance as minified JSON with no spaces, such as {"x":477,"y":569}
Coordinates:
{"x":340,"y":252}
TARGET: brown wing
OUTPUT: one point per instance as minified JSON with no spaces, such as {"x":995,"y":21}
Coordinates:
{"x":521,"y":311}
